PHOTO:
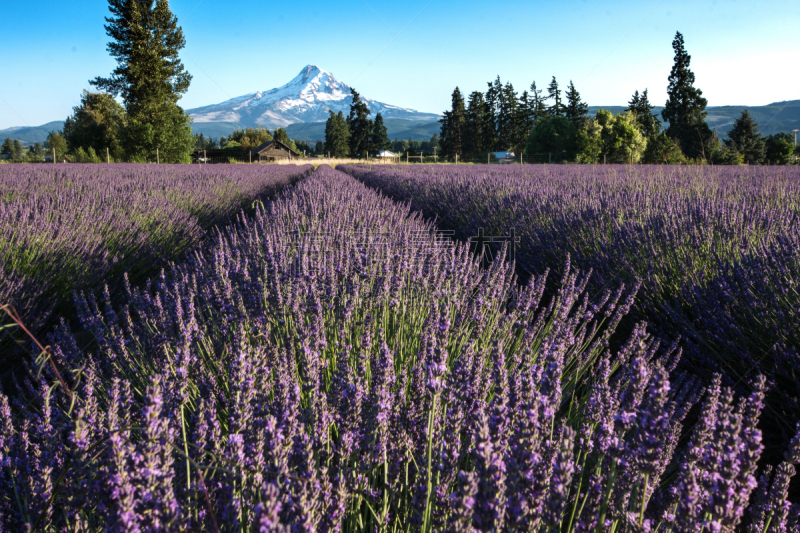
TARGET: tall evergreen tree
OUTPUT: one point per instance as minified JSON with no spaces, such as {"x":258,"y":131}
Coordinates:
{"x":554,"y":94}
{"x":380,"y":139}
{"x":525,"y":116}
{"x":8,"y":146}
{"x":18,"y":152}
{"x":508,"y":118}
{"x":359,"y":125}
{"x":453,"y":125}
{"x":538,"y":108}
{"x":576,"y":111}
{"x":149,"y":77}
{"x":685,"y":107}
{"x":642,"y":109}
{"x":493,"y":93}
{"x":337,"y":135}
{"x":476,"y":124}
{"x":745,"y":138}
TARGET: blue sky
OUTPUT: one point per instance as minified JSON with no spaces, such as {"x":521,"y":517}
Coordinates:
{"x":413,"y":53}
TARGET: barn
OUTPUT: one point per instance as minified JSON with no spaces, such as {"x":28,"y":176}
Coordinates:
{"x":272,"y":151}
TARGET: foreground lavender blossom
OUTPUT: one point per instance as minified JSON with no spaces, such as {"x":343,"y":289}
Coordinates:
{"x":333,"y":364}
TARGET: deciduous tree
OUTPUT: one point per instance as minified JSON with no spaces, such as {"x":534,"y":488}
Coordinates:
{"x":97,"y":122}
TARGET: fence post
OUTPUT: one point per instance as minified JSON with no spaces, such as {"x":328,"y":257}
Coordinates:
{"x":406,"y":158}
{"x":549,"y":157}
{"x":604,"y":159}
{"x":54,"y":156}
{"x":108,"y":157}
{"x":158,"y":161}
{"x":456,"y":159}
{"x":487,"y":158}
{"x":205,"y":159}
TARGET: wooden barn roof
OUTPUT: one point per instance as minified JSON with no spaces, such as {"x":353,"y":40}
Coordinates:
{"x":257,"y":150}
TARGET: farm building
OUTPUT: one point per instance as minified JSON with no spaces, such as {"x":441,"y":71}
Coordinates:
{"x":504,"y":157}
{"x":272,"y":151}
{"x":387,"y":154}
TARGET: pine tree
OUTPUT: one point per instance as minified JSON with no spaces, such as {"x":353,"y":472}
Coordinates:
{"x":379,"y":138}
{"x":745,"y":138}
{"x":150,"y":78}
{"x":640,"y":106}
{"x":337,"y":135}
{"x":576,"y":111}
{"x":554,"y":94}
{"x":18,"y":152}
{"x":453,"y":126}
{"x":525,"y":116}
{"x":512,"y":135}
{"x":359,"y":125}
{"x":538,"y":109}
{"x":492,"y":98}
{"x":476,"y":123}
{"x":685,"y":107}
{"x":8,"y":146}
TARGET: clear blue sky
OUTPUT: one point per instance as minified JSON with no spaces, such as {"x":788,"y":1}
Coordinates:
{"x":413,"y":53}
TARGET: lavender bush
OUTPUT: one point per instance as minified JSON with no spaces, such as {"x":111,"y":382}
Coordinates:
{"x":332,"y":363}
{"x":715,"y":248}
{"x":68,"y":227}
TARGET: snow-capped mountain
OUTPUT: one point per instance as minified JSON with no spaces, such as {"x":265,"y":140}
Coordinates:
{"x":307,"y":98}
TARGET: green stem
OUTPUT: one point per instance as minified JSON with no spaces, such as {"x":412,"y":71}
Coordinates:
{"x":611,"y":478}
{"x":766,"y":524}
{"x":429,"y":460}
{"x":644,"y":499}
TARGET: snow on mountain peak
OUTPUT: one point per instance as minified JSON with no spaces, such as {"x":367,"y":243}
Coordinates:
{"x":306,"y":98}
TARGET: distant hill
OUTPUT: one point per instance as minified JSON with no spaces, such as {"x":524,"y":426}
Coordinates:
{"x":28,"y":136}
{"x":773,"y":118}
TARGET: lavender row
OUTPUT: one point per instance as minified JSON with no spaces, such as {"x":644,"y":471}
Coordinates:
{"x":68,"y":227}
{"x":333,"y":363}
{"x":695,"y":236}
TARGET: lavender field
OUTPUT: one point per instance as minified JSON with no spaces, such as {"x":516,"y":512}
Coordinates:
{"x":715,"y":249}
{"x":70,"y":227}
{"x":330,"y":361}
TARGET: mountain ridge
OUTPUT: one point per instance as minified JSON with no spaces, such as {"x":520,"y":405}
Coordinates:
{"x":306,"y":98}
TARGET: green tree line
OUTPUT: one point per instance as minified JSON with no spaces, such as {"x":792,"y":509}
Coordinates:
{"x":543,"y":124}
